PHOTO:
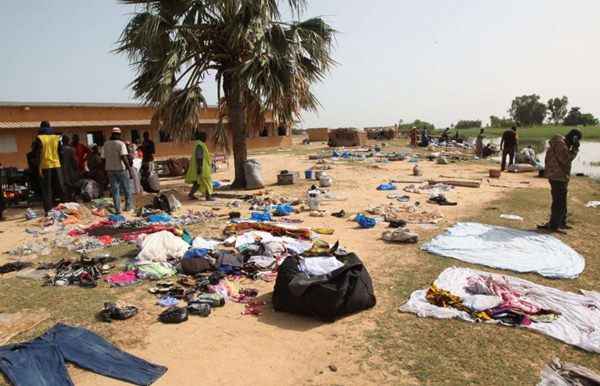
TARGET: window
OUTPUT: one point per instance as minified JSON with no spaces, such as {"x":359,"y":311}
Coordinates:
{"x":163,"y":136}
{"x":8,"y":143}
{"x":264,"y":132}
{"x":135,"y":136}
{"x":281,"y":131}
{"x":95,"y":138}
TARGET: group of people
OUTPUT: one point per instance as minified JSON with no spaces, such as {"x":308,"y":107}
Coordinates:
{"x":59,"y":164}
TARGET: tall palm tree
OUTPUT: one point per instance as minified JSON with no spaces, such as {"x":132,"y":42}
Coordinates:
{"x":260,"y":62}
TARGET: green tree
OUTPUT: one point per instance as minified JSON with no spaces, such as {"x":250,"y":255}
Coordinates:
{"x":466,"y":124}
{"x":261,"y":62}
{"x":501,"y":122}
{"x":575,"y":117}
{"x":527,"y":110}
{"x":558,"y":109}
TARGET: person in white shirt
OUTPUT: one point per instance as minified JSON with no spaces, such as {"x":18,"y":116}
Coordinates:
{"x":118,"y":169}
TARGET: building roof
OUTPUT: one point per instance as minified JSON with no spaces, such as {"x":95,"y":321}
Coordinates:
{"x":75,"y":104}
{"x":63,"y":124}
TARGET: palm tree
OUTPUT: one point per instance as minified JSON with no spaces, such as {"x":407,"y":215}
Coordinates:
{"x":260,"y":62}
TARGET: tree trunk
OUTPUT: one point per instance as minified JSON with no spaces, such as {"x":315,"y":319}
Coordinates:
{"x":237,"y":125}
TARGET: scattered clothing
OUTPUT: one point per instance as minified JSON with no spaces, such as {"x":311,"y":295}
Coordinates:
{"x":575,"y":320}
{"x":364,"y":221}
{"x":161,"y":245}
{"x":506,"y":248}
{"x":122,"y":279}
{"x":387,"y":186}
{"x":400,"y":236}
{"x":511,"y":217}
{"x":557,"y":373}
{"x":42,"y":360}
{"x":593,"y":204}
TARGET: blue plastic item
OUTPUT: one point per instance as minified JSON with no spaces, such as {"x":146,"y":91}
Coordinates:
{"x":161,"y":217}
{"x":309,"y":174}
{"x":195,"y":252}
{"x":116,"y":218}
{"x":387,"y":186}
{"x":216,"y":184}
{"x":364,"y":221}
{"x":283,"y":210}
{"x":261,"y":216}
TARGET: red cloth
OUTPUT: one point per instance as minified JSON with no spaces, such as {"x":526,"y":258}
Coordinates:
{"x":81,"y":153}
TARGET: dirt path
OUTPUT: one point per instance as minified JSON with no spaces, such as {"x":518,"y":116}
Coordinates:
{"x":277,"y":349}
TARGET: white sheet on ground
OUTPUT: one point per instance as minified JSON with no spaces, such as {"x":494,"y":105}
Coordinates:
{"x":578,"y":323}
{"x":161,"y":245}
{"x":593,"y":204}
{"x":202,"y":243}
{"x":507,"y":248}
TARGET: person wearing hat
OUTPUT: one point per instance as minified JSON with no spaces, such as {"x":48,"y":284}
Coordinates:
{"x":118,"y":169}
{"x":46,"y":150}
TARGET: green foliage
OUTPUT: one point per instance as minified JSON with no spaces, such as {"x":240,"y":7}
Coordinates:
{"x":576,"y":118}
{"x":558,"y":109}
{"x":501,"y":122}
{"x":419,"y":124}
{"x":527,"y":110}
{"x":464,"y":124}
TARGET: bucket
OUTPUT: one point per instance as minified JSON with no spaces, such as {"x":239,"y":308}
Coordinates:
{"x":495,"y":173}
{"x":325,"y":181}
{"x":309,"y":174}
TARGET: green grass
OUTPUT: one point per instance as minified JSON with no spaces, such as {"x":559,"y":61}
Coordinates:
{"x":535,"y":132}
{"x":453,"y":352}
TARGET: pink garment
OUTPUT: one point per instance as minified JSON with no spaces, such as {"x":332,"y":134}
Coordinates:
{"x":121,"y":279}
{"x":510,"y":297}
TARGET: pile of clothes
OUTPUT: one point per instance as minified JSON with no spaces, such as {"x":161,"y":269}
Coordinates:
{"x":473,"y":295}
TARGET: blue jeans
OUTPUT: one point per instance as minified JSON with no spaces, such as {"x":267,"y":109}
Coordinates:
{"x":42,"y":360}
{"x":120,"y":180}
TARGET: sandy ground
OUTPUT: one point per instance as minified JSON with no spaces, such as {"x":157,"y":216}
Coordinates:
{"x":281,"y":349}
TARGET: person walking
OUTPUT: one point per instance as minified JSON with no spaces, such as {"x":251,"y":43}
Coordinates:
{"x":118,"y":169}
{"x":46,"y":151}
{"x":509,"y":146}
{"x":199,"y":171}
{"x":559,"y":157}
{"x":479,"y":144}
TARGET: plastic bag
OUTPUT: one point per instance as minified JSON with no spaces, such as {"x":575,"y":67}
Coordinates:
{"x":112,"y":311}
{"x":160,"y":246}
{"x":364,"y":221}
{"x":252,"y":171}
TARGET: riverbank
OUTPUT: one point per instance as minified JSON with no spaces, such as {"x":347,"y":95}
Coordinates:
{"x":534,"y":132}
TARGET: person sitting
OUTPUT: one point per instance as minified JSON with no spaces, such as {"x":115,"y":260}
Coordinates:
{"x":527,"y":155}
{"x":445,"y":138}
{"x":95,"y":165}
{"x":424,"y":138}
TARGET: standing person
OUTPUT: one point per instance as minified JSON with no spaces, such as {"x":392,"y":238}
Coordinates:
{"x":559,"y":158}
{"x":509,"y":146}
{"x":199,"y":172}
{"x":118,"y":169}
{"x":46,"y":151}
{"x":81,"y":152}
{"x":70,"y":168}
{"x":479,"y":144}
{"x":424,"y":137}
{"x":97,"y":170}
{"x":413,"y":137}
{"x":148,"y":150}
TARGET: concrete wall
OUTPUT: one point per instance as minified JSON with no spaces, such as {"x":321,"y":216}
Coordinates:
{"x":24,"y":136}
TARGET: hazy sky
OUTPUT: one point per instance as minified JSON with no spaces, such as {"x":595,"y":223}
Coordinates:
{"x":437,"y":60}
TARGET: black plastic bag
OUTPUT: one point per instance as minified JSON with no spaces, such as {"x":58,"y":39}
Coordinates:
{"x":199,"y":308}
{"x":174,"y":315}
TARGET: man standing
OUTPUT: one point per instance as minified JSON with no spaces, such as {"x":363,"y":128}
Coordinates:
{"x":46,"y":151}
{"x":148,"y":151}
{"x":559,"y":158}
{"x":509,"y":146}
{"x":118,"y":170}
{"x":81,"y":152}
{"x":70,"y":168}
{"x":479,"y":144}
{"x":413,"y":134}
{"x":199,"y":171}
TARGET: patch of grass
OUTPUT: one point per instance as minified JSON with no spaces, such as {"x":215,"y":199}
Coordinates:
{"x":452,"y":352}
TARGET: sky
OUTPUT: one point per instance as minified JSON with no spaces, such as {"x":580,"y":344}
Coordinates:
{"x":434,"y":60}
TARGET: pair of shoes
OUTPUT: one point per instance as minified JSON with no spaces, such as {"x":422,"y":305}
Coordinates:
{"x":548,"y":228}
{"x":441,"y":200}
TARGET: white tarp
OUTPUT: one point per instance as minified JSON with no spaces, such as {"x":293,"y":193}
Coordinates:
{"x":507,"y":248}
{"x":578,"y":322}
{"x":161,"y":245}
